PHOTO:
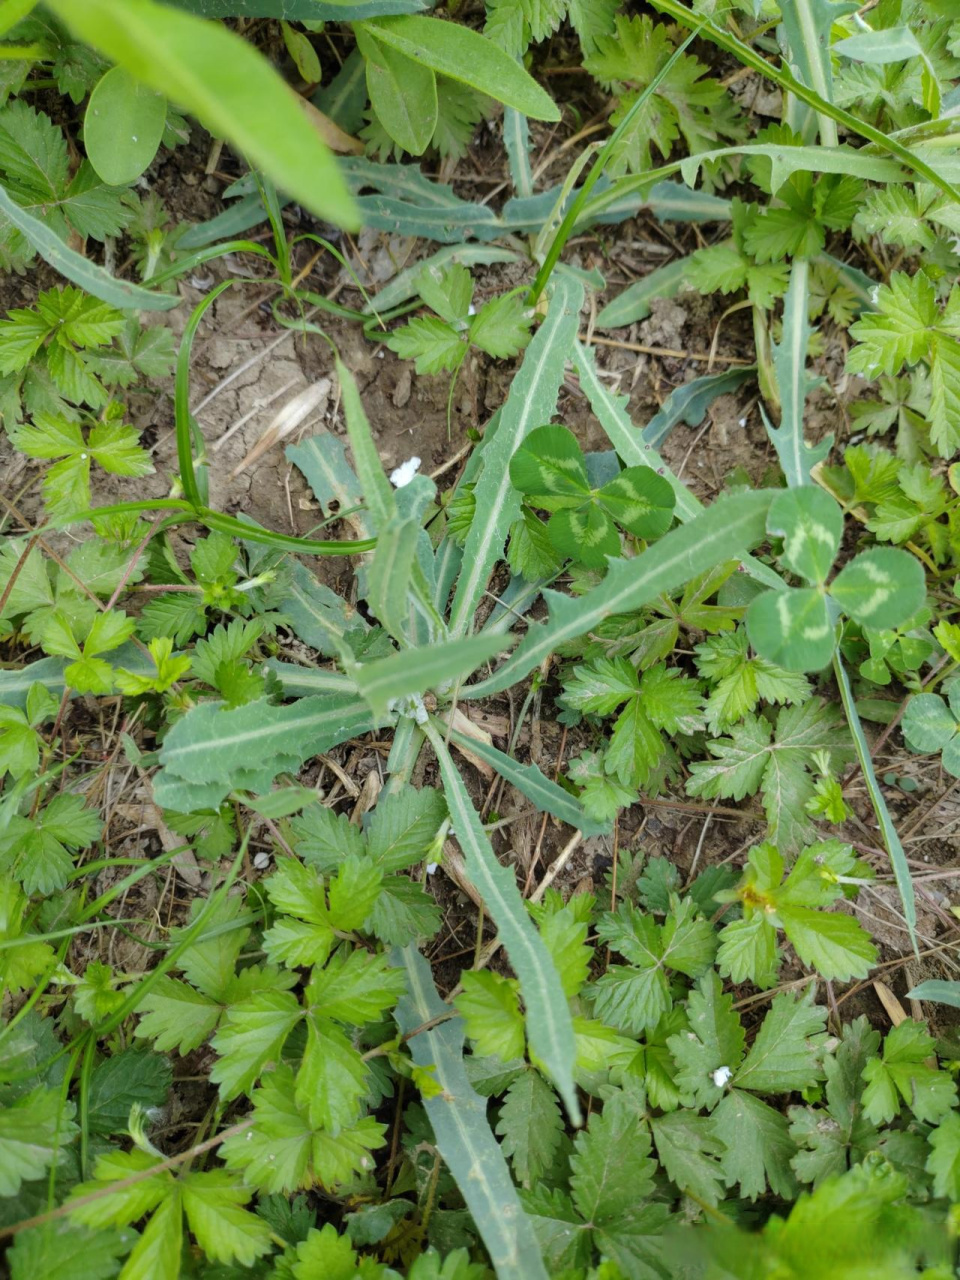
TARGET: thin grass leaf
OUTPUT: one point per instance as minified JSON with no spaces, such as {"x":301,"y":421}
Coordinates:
{"x":534,"y":784}
{"x":891,"y":840}
{"x":415,"y":671}
{"x":64,"y":260}
{"x":531,"y":401}
{"x":797,"y":458}
{"x":549,"y":1025}
{"x":579,"y":202}
{"x":185,"y":424}
{"x":458,"y":1116}
{"x":724,"y":532}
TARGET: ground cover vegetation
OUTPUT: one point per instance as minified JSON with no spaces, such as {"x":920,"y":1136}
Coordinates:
{"x":289,"y":989}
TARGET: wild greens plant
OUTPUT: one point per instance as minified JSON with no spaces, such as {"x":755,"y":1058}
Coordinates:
{"x":649,"y":1075}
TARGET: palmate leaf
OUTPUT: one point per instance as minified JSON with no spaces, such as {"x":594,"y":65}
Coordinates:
{"x":754,"y":757}
{"x":286,"y":1153}
{"x":904,"y":1075}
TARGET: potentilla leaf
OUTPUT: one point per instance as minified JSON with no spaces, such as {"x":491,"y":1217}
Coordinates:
{"x":530,"y":1126}
{"x":252,"y":1034}
{"x":758,"y":1146}
{"x":491,"y":1014}
{"x":283,"y":1152}
{"x":903,"y":1075}
{"x":35,"y":1129}
{"x":836,"y":945}
{"x":227,"y":1232}
{"x":712,"y":1048}
{"x":689,"y":1150}
{"x":785,"y":1055}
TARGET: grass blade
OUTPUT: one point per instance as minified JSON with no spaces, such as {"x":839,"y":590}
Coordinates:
{"x":733,"y":524}
{"x":185,"y":424}
{"x":636,"y":450}
{"x":459,"y":1119}
{"x":898,"y":859}
{"x":549,"y":1026}
{"x":375,"y":486}
{"x":789,"y":84}
{"x":532,"y":401}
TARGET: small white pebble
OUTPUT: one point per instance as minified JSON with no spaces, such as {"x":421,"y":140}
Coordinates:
{"x":403,"y":474}
{"x":721,"y":1076}
{"x":743,"y":422}
{"x":261,"y":861}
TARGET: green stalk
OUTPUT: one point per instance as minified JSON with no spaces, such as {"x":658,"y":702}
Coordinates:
{"x":891,"y":840}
